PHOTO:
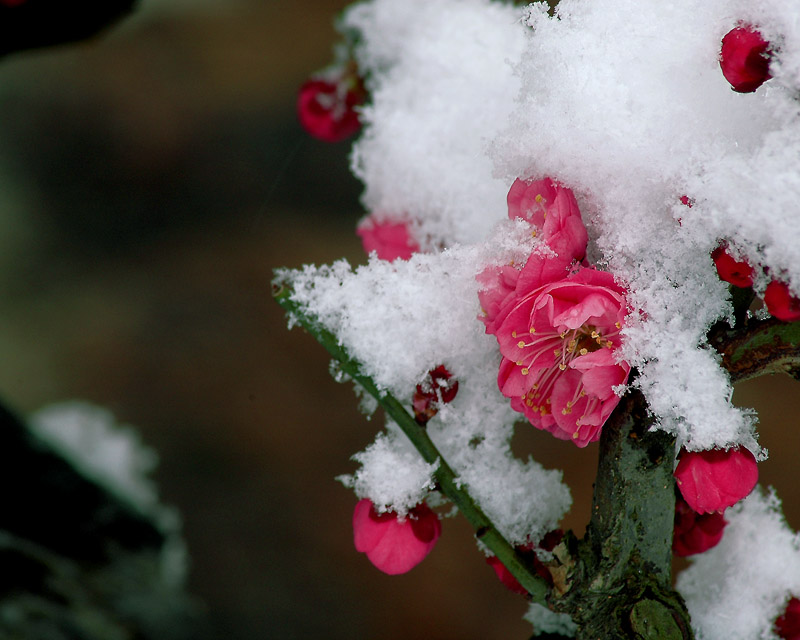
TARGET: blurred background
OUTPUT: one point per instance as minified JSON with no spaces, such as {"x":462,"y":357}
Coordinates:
{"x":150,"y":180}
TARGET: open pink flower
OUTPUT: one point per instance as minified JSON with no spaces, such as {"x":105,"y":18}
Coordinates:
{"x":780,"y":302}
{"x":393,"y":545}
{"x":744,"y":59}
{"x":788,"y":625}
{"x":715,"y":479}
{"x":558,"y":341}
{"x":695,"y":532}
{"x":553,"y":210}
{"x":389,"y":239}
{"x":497,"y":294}
{"x":737,"y":272}
{"x":326,"y":105}
{"x":438,"y":388}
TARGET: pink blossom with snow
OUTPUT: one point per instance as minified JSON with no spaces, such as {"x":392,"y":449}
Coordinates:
{"x":715,"y":479}
{"x":392,"y":544}
{"x":389,"y":239}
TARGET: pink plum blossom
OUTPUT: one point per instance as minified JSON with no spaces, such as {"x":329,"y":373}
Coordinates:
{"x":326,"y":106}
{"x":553,"y":210}
{"x":389,"y":239}
{"x":392,"y":544}
{"x":736,"y":272}
{"x":558,"y":341}
{"x":497,"y":294}
{"x":781,"y":303}
{"x":694,"y":532}
{"x":715,"y":479}
{"x":744,"y":59}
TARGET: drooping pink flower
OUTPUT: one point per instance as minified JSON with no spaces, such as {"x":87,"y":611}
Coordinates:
{"x":781,"y":303}
{"x":393,"y":545}
{"x":553,"y":210}
{"x":389,"y":239}
{"x":558,"y":341}
{"x":438,"y":388}
{"x":787,"y":626}
{"x":695,"y":532}
{"x":527,"y":551}
{"x":736,"y":272}
{"x":715,"y":479}
{"x":744,"y":59}
{"x":326,"y":105}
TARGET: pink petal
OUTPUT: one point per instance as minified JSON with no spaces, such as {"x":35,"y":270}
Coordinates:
{"x":713,"y":480}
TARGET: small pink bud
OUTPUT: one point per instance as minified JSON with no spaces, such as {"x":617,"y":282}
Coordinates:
{"x":438,"y":388}
{"x":548,"y":543}
{"x":788,"y":625}
{"x":744,"y":59}
{"x":327,"y":108}
{"x":694,"y":532}
{"x":737,"y":272}
{"x":714,"y":480}
{"x":389,"y":240}
{"x":395,"y":546}
{"x":780,"y":302}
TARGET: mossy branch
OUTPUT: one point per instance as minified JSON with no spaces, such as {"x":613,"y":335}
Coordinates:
{"x":446,"y":478}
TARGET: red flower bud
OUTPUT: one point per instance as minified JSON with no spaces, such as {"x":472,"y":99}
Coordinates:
{"x":714,"y":480}
{"x":694,"y":532}
{"x":788,"y":625}
{"x":737,"y":272}
{"x":326,"y":107}
{"x":780,"y":302}
{"x":744,"y":59}
{"x":437,"y":388}
{"x":548,"y":543}
{"x":395,"y":546}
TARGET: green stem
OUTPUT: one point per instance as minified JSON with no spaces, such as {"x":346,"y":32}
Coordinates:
{"x":447,"y":480}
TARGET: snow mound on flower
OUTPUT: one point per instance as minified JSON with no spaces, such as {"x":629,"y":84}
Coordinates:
{"x":392,"y":474}
{"x":441,"y":86}
{"x":736,"y":590}
{"x":402,"y":319}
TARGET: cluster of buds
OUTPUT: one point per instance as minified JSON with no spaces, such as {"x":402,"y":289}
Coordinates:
{"x":778,"y":299}
{"x":708,"y":483}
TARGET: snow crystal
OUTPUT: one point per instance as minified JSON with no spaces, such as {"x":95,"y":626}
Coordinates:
{"x":736,"y":590}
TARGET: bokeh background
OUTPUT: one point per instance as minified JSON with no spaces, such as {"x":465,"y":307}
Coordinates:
{"x":149,"y":182}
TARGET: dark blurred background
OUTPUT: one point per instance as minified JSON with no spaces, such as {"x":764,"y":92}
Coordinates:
{"x":150,"y":179}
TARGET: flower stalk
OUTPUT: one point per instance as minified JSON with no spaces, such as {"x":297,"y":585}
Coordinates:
{"x":446,"y":478}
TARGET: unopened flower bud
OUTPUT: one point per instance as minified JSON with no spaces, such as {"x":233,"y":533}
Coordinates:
{"x":438,"y":388}
{"x":780,"y":302}
{"x":788,"y":625}
{"x":744,"y":59}
{"x":695,"y":532}
{"x":737,"y":272}
{"x":326,"y":106}
{"x":392,"y":544}
{"x":715,"y":479}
